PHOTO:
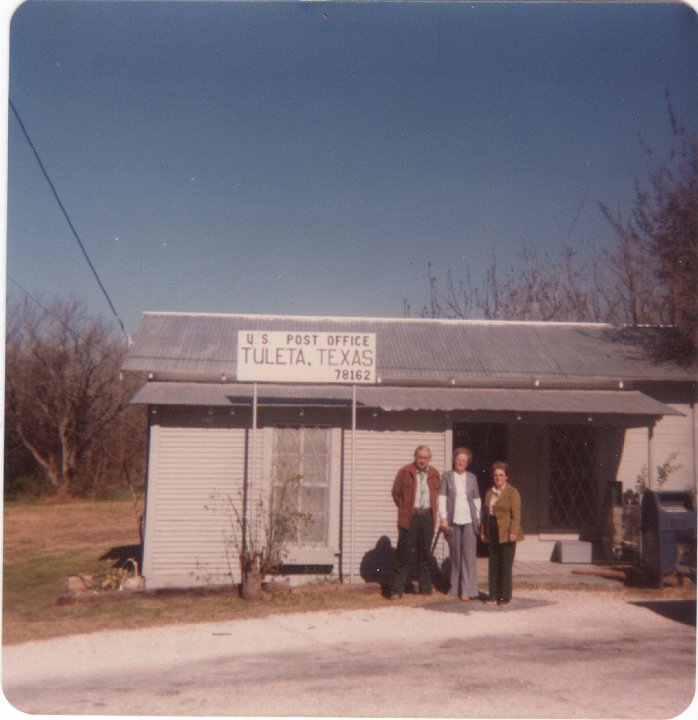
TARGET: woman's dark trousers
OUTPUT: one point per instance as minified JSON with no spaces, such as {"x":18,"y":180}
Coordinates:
{"x":501,"y":564}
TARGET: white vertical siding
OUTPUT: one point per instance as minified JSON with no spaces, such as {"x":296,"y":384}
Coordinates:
{"x":379,"y":455}
{"x":195,"y":477}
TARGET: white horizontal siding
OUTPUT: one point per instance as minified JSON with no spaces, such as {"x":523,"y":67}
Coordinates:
{"x":674,"y":433}
{"x":671,"y":434}
{"x":378,"y":457}
{"x":190,"y":523}
{"x":195,"y":478}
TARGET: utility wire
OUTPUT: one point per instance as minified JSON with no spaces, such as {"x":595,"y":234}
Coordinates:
{"x":68,"y":220}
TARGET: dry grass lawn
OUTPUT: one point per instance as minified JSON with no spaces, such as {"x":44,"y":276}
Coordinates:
{"x":44,"y":543}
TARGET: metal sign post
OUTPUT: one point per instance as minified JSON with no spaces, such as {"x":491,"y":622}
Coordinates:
{"x":275,"y":356}
{"x":351,"y":490}
{"x":253,"y":471}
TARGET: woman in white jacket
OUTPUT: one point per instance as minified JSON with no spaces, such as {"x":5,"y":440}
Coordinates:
{"x":459,"y":513}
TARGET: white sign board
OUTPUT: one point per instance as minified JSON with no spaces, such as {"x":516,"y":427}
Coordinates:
{"x":312,"y":357}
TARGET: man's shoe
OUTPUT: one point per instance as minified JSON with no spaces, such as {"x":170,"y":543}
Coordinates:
{"x":490,"y":601}
{"x":503,"y":602}
{"x":395,"y":596}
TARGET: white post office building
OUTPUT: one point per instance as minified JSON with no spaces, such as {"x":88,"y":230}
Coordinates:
{"x":343,"y":402}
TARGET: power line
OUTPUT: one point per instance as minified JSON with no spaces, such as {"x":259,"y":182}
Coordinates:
{"x":47,"y":310}
{"x":68,"y":220}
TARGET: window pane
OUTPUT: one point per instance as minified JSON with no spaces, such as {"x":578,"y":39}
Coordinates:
{"x":288,"y":440}
{"x":315,"y":440}
{"x":314,"y":502}
{"x":286,"y":468}
{"x":305,"y":452}
{"x":315,"y":470}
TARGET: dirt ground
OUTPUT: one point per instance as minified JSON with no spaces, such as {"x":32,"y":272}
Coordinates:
{"x":561,"y":653}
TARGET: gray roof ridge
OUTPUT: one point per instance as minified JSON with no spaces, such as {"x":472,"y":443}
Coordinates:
{"x":349,"y":318}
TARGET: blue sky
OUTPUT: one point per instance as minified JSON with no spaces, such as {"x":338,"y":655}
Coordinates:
{"x":313,"y":158}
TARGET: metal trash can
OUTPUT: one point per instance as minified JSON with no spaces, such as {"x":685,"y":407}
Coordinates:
{"x":667,"y":520}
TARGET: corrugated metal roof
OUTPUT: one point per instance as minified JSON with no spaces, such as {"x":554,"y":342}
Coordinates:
{"x":204,"y":346}
{"x":592,"y":402}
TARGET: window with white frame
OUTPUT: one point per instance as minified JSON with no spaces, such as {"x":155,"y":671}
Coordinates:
{"x":303,"y":453}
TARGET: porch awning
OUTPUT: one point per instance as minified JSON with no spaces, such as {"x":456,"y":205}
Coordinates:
{"x":568,"y":402}
{"x":591,"y":402}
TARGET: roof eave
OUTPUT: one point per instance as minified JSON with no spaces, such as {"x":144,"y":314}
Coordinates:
{"x":428,"y":380}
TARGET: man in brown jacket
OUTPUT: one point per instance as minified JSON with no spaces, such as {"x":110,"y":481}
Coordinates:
{"x":416,"y":494}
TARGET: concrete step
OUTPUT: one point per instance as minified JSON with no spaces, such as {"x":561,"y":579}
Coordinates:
{"x":541,"y":547}
{"x":572,"y":551}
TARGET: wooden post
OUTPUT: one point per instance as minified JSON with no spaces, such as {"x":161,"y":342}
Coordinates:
{"x":651,"y":466}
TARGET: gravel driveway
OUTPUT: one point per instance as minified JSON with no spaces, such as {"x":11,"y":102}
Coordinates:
{"x":549,"y":654}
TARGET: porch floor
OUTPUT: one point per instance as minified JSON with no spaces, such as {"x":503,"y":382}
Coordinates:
{"x":547,"y":572}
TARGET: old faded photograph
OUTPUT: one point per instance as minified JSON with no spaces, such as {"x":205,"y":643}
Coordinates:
{"x":350,"y":359}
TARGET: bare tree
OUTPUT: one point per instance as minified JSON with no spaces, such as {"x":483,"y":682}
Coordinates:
{"x":656,"y":253}
{"x":539,"y":289}
{"x":64,"y":400}
{"x":648,"y":277}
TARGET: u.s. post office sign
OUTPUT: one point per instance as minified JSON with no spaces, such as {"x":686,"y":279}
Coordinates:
{"x":313,"y":357}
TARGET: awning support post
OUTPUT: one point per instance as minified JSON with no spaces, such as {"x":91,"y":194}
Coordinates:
{"x":651,"y":467}
{"x":694,"y":418}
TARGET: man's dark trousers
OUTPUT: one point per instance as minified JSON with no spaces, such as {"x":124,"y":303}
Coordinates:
{"x":418,"y":540}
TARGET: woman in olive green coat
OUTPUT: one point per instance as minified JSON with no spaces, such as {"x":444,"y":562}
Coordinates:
{"x":501,"y":528}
